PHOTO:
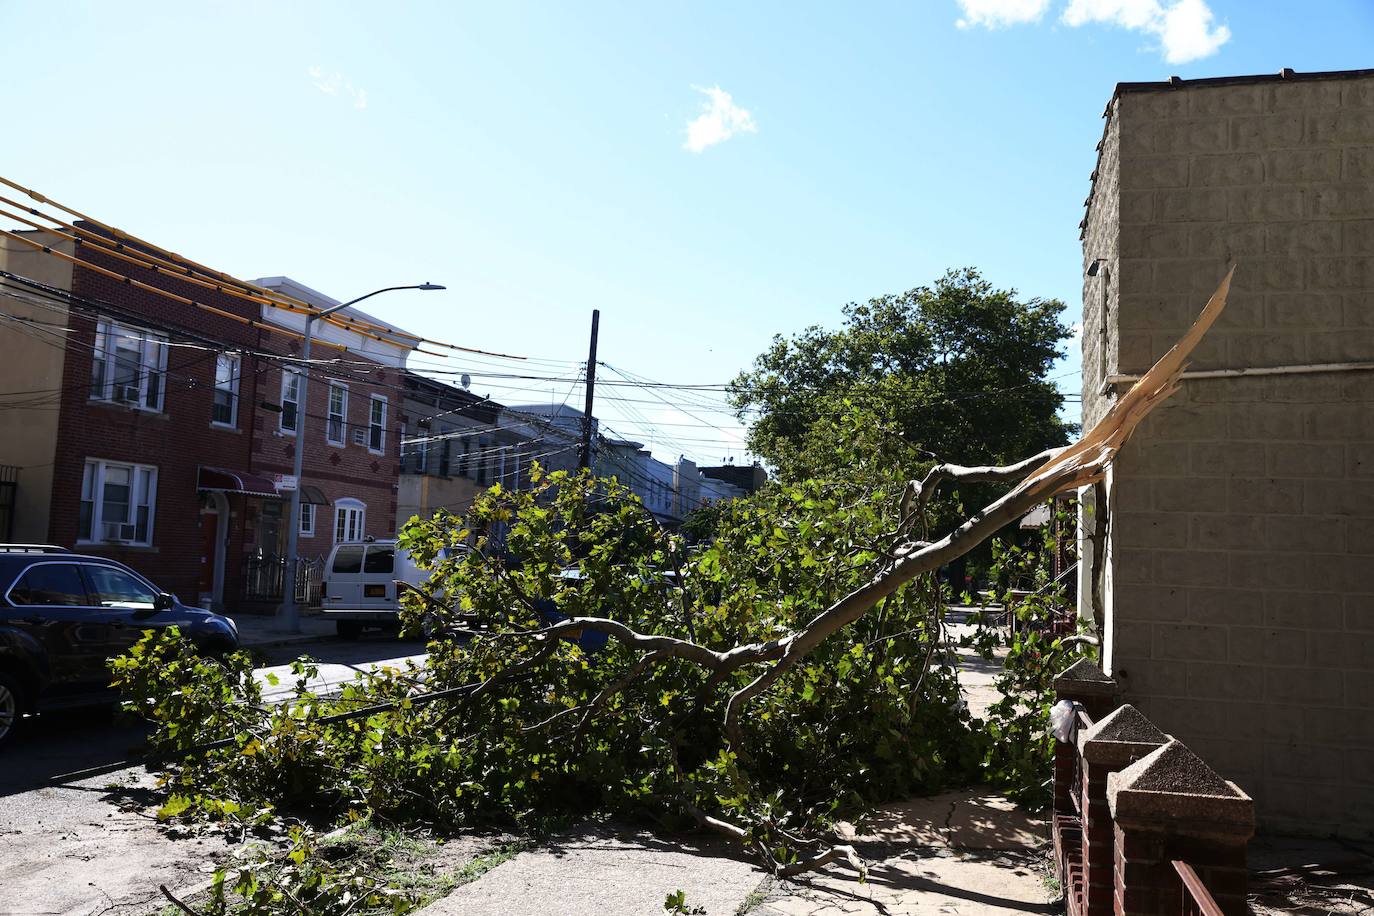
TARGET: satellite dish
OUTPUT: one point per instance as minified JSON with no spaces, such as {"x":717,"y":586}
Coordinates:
{"x":466,"y":380}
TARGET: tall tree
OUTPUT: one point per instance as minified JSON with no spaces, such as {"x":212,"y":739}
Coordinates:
{"x":957,"y":370}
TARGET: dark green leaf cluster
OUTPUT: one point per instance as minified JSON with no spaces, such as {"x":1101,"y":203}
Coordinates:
{"x":957,"y":369}
{"x":533,"y":730}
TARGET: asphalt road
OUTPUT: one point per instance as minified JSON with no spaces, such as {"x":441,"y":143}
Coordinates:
{"x":76,"y":835}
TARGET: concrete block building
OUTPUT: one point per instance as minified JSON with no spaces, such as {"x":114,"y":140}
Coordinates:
{"x":1229,"y":557}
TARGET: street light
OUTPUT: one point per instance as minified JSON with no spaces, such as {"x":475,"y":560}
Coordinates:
{"x":290,"y":612}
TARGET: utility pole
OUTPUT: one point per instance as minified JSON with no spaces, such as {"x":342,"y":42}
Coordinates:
{"x":591,"y":391}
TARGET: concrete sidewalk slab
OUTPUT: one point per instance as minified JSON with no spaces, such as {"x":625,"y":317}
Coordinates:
{"x":961,"y":820}
{"x":604,"y":873}
{"x":933,"y":882}
{"x":966,"y":852}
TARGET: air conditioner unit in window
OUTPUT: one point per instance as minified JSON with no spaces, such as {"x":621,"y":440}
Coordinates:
{"x":127,"y":393}
{"x":119,"y":531}
{"x":360,"y":437}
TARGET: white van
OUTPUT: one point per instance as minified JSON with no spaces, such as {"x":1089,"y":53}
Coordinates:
{"x":360,"y":587}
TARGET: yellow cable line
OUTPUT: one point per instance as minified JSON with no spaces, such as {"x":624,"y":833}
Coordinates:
{"x":119,"y":250}
{"x":276,"y":299}
{"x":251,"y":322}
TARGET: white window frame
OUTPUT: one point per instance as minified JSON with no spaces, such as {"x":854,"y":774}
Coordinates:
{"x":376,"y":424}
{"x":287,"y":375}
{"x":142,"y":495}
{"x":234,"y":363}
{"x":350,"y":520}
{"x":329,"y":415}
{"x":306,"y":522}
{"x":152,"y":366}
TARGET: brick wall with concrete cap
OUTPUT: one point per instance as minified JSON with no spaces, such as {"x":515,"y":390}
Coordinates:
{"x":1171,"y":805}
{"x":1239,"y":599}
{"x":1112,"y":744}
{"x":1085,"y":683}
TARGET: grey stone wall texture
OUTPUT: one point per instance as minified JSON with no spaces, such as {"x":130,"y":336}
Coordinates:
{"x":1240,"y":564}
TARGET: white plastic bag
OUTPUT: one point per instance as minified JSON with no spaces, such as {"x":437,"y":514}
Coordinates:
{"x":1063,"y":723}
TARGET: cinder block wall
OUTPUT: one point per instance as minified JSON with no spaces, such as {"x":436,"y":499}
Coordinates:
{"x":1240,"y":604}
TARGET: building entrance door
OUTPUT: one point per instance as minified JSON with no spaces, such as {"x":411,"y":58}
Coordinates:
{"x":209,"y":553}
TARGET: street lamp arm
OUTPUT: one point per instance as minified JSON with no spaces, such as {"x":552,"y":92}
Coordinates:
{"x":290,"y":612}
{"x":376,"y":292}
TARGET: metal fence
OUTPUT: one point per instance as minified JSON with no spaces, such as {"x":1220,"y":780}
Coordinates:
{"x":263,"y":575}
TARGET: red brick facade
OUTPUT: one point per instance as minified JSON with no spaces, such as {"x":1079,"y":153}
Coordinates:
{"x":350,"y":471}
{"x":179,"y":438}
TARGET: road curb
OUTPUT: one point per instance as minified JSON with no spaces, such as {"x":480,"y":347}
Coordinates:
{"x":284,"y":640}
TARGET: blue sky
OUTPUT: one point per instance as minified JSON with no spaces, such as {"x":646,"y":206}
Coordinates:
{"x":535,"y":158}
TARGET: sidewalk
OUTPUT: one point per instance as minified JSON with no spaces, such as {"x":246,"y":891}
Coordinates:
{"x":965,"y":852}
{"x":258,"y":632}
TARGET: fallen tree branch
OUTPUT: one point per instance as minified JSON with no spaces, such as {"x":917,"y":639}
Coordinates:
{"x":1038,"y":478}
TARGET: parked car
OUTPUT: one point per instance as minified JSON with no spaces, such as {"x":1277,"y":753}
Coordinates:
{"x":63,"y":615}
{"x":360,"y":585}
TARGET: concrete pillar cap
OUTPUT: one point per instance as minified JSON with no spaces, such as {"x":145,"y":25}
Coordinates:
{"x":1083,"y":678}
{"x":1174,"y":790}
{"x":1122,"y":737}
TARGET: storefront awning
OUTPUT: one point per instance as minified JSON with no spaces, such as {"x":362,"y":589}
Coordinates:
{"x":313,"y":496}
{"x":226,"y":481}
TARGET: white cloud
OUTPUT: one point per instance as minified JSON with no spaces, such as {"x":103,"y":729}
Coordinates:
{"x":335,"y":84}
{"x":720,"y":119}
{"x":1183,"y":27}
{"x":996,"y":13}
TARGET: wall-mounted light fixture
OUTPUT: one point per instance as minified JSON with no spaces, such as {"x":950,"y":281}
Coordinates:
{"x":1095,"y":266}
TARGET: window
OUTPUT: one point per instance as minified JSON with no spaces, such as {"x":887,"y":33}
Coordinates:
{"x":117,"y":502}
{"x":338,"y":414}
{"x":290,"y":400}
{"x":128,"y":366}
{"x":376,"y":424}
{"x":111,"y":587}
{"x":50,"y":584}
{"x":226,"y":409}
{"x":415,"y":453}
{"x":421,"y":452}
{"x":307,"y":529}
{"x":1104,"y":340}
{"x":381,"y":558}
{"x":349,"y":516}
{"x":480,"y":462}
{"x":348,"y":559}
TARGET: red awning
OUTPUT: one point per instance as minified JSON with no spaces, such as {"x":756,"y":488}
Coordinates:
{"x":235,"y":482}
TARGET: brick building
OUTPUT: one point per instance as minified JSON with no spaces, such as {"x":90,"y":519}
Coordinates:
{"x":458,"y":444}
{"x":354,"y":419}
{"x":1230,"y":554}
{"x":165,"y":439}
{"x":138,"y":419}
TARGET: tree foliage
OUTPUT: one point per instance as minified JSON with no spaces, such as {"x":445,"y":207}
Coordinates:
{"x":534,"y":731}
{"x":957,"y":369}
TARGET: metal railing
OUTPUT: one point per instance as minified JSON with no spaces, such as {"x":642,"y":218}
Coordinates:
{"x":1194,"y":898}
{"x":263,"y":576}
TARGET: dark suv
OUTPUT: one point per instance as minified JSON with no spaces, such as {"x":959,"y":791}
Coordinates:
{"x":63,"y":615}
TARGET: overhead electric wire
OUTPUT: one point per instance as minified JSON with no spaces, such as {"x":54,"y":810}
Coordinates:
{"x":185,"y":268}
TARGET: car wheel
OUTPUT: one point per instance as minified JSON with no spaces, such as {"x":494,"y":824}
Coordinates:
{"x":349,"y":629}
{"x":11,"y":707}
